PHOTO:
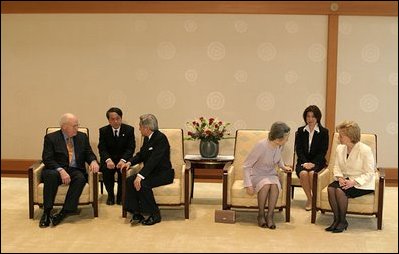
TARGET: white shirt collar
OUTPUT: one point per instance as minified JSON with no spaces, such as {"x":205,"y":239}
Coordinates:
{"x":149,"y":137}
{"x":316,"y":128}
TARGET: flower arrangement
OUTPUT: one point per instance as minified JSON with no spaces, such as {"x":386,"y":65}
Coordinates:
{"x":207,"y":129}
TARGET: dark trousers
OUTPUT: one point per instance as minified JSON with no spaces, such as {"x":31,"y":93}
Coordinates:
{"x":52,"y":179}
{"x":143,"y":201}
{"x":109,"y":181}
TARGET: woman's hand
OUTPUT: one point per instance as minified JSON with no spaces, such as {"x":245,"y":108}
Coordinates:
{"x":348,"y":184}
{"x":250,"y":190}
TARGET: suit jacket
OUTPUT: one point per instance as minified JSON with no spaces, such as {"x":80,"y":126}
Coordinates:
{"x":359,"y":166}
{"x":55,"y":153}
{"x":155,"y":154}
{"x":318,"y":147}
{"x":118,"y":148}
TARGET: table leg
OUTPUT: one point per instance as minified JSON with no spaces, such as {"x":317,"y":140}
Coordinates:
{"x":192,"y":182}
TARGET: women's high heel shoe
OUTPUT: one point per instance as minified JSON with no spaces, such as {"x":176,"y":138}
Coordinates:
{"x":340,"y":228}
{"x":271,"y":225}
{"x":332,"y":226}
{"x":262,"y":222}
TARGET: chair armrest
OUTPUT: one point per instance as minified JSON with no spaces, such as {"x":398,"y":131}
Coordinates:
{"x":134,"y":170}
{"x":37,"y":169}
{"x":323,"y":179}
{"x":381,"y":172}
{"x":34,"y":175}
{"x":230,"y":177}
{"x":183,"y":182}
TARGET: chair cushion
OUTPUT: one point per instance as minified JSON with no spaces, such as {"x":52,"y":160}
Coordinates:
{"x":239,"y":196}
{"x":295,"y":180}
{"x":61,"y":193}
{"x":362,"y":204}
{"x":168,"y":194}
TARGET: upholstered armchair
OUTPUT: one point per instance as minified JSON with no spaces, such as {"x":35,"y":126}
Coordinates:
{"x":176,"y":194}
{"x":370,"y":204}
{"x":89,"y":195}
{"x":234,"y":194}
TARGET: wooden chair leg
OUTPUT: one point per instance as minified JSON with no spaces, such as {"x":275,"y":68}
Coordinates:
{"x":95,"y":195}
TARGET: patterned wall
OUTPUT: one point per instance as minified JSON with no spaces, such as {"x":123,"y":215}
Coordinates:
{"x":367,"y":89}
{"x":249,"y":70}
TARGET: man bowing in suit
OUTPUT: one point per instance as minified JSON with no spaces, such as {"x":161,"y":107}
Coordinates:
{"x":157,"y":171}
{"x":116,"y":146}
{"x":65,"y":153}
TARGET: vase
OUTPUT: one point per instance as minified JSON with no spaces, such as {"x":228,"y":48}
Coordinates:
{"x":209,"y":149}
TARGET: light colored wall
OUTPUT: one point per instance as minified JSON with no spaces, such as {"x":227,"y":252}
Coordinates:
{"x":249,"y":70}
{"x":367,"y":89}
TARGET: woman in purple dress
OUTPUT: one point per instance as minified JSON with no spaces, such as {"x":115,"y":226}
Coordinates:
{"x":260,"y":175}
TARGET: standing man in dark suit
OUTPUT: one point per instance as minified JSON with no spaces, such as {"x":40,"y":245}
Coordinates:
{"x":311,"y":145}
{"x":157,"y":171}
{"x":65,"y":153}
{"x":116,"y":146}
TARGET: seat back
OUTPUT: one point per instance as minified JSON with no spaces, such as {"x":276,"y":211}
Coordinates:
{"x":295,"y":182}
{"x":366,"y":138}
{"x":245,"y":142}
{"x":81,"y":129}
{"x":175,"y":138}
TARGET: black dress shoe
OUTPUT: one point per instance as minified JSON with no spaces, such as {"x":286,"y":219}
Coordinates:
{"x":45,"y":220}
{"x":110,"y":200}
{"x":137,"y":218}
{"x":58,"y":217}
{"x":118,"y":199}
{"x":154,"y":218}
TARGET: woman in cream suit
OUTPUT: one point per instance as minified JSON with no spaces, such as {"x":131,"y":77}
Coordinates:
{"x":354,"y":173}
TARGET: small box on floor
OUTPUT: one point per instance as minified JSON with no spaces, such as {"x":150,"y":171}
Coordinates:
{"x":225,"y":216}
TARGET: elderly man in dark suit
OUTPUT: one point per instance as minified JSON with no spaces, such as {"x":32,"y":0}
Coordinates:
{"x":65,"y":153}
{"x":116,"y":146}
{"x":157,"y":171}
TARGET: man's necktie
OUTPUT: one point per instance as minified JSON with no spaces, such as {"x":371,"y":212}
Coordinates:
{"x":116,"y":134}
{"x":70,"y":149}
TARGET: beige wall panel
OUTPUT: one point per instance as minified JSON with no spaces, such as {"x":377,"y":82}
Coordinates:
{"x":367,"y":89}
{"x":249,"y":70}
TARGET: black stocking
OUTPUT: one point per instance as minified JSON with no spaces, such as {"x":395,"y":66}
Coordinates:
{"x":332,"y":198}
{"x":273,"y":195}
{"x":343,"y":207}
{"x":262,"y":197}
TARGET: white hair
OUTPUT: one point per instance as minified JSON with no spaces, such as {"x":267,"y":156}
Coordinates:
{"x":66,"y":118}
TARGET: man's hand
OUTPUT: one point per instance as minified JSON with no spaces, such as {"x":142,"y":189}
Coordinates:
{"x":124,"y":165}
{"x":120,"y":164}
{"x":66,"y":179}
{"x":137,"y":183}
{"x":110,"y":164}
{"x":94,"y":166}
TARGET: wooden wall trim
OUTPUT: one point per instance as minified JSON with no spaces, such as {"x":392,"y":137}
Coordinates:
{"x":391,"y":176}
{"x":369,"y":8}
{"x":331,"y":76}
{"x":15,"y":167}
